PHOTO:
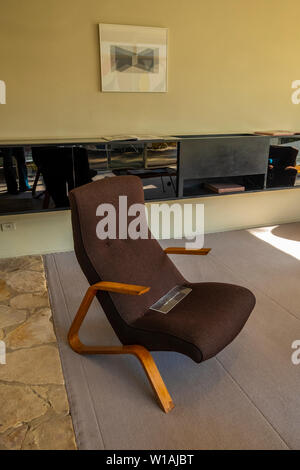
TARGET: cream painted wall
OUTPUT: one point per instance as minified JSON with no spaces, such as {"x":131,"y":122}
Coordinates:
{"x":51,"y":232}
{"x":231,"y":65}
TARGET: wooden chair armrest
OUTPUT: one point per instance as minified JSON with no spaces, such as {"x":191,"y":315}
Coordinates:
{"x":183,"y":251}
{"x":120,"y":288}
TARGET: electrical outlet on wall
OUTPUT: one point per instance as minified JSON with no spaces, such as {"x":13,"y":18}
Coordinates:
{"x":8,"y":227}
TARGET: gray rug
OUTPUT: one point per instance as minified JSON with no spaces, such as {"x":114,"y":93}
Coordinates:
{"x":246,"y":398}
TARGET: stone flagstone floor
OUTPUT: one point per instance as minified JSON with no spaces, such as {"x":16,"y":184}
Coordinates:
{"x":34,"y":410}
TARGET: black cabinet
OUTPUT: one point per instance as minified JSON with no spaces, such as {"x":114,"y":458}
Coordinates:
{"x":180,"y":166}
{"x":222,"y":156}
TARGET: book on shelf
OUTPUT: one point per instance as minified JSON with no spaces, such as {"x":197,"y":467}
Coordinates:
{"x":275,"y":133}
{"x":163,"y":138}
{"x":149,"y":137}
{"x":169,"y":138}
{"x":221,"y":188}
{"x":126,"y":138}
{"x":119,"y":138}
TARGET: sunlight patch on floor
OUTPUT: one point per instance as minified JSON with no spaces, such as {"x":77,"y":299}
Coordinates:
{"x":290,"y":247}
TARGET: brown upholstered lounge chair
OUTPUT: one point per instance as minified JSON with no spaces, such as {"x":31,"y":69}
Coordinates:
{"x":199,"y":326}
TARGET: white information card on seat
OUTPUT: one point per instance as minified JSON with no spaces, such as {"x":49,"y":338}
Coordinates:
{"x":172,"y":298}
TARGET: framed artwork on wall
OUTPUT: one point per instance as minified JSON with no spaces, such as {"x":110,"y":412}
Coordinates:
{"x":133,"y":58}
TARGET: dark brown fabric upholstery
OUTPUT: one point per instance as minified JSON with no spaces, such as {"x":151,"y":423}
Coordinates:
{"x":199,"y":326}
{"x":209,"y":317}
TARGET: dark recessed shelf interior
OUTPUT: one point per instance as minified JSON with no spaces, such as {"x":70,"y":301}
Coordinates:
{"x":198,"y":187}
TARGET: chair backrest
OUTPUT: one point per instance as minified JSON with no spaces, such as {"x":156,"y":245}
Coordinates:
{"x":140,"y":261}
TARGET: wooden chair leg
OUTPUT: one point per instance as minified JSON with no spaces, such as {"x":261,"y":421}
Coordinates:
{"x":142,"y":354}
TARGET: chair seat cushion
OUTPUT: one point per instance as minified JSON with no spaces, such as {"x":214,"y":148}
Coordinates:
{"x":201,"y":324}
